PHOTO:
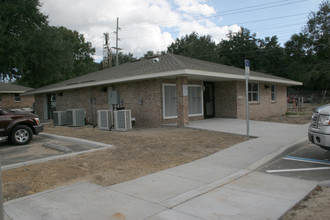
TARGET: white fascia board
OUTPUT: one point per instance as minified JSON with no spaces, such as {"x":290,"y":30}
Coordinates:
{"x":8,"y":92}
{"x":242,"y":77}
{"x":185,"y":72}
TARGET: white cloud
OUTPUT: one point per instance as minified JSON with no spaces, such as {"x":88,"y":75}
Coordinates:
{"x":145,"y":24}
{"x":195,"y":7}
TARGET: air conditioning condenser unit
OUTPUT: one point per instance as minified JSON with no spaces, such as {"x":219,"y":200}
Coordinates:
{"x":60,"y":118}
{"x":104,"y":119}
{"x":122,"y":120}
{"x":76,"y":117}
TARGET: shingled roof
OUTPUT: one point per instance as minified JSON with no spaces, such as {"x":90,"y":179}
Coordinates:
{"x":163,"y":66}
{"x":12,"y":88}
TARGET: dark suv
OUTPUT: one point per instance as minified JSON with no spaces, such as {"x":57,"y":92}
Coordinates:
{"x":18,"y":127}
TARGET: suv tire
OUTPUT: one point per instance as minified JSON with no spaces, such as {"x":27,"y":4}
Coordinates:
{"x":21,"y":134}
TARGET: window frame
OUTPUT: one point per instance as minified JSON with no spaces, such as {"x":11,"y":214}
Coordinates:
{"x":254,"y":92}
{"x":15,"y":97}
{"x":273,"y":92}
{"x":189,"y":85}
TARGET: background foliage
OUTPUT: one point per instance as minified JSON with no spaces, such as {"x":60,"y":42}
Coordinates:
{"x":34,"y":54}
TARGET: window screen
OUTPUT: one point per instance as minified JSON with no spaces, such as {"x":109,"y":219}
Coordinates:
{"x":195,"y":100}
{"x":170,"y":106}
{"x":273,"y":88}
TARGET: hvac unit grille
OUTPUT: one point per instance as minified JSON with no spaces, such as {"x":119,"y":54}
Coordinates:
{"x":104,"y":119}
{"x":76,"y":117}
{"x":60,"y":118}
{"x":123,"y":120}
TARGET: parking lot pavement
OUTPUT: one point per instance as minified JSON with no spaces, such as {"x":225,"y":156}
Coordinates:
{"x":38,"y":149}
{"x":309,"y":162}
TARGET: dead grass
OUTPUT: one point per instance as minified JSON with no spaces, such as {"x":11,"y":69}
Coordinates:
{"x":137,"y":153}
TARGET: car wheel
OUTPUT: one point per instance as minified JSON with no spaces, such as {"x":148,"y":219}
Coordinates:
{"x":21,"y":134}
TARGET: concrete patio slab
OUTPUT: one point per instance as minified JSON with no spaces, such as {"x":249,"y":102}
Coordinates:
{"x":81,"y":201}
{"x":156,"y":187}
{"x":257,"y":128}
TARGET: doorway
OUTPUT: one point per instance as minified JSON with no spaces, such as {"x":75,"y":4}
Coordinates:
{"x":209,"y":103}
{"x":51,"y":105}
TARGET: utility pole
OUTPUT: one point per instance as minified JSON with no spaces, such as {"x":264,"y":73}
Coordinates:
{"x":117,"y":39}
{"x":106,"y":52}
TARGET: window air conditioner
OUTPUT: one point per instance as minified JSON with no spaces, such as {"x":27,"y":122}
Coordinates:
{"x":60,"y":118}
{"x":123,"y":120}
{"x":76,"y":117}
{"x":104,"y":119}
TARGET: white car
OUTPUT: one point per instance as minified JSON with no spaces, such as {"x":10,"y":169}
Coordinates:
{"x":319,"y":129}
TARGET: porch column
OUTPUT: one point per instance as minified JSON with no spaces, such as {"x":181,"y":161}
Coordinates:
{"x":182,"y":101}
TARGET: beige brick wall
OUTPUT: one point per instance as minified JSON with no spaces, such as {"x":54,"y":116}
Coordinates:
{"x":229,"y":101}
{"x":147,"y":113}
{"x":8,"y":101}
{"x":265,"y":107}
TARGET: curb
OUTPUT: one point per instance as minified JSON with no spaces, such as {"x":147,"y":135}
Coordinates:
{"x":74,"y":140}
{"x":17,"y":165}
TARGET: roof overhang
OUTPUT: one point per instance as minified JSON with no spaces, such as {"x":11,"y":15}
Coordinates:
{"x":192,"y":74}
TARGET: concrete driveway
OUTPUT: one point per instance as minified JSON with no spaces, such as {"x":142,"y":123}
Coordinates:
{"x":44,"y":147}
{"x":225,"y":185}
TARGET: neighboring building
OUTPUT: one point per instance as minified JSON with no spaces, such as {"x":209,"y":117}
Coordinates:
{"x":11,"y":96}
{"x":149,"y":87}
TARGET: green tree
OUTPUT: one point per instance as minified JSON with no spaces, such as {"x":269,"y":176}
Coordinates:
{"x":55,"y":54}
{"x":122,"y":58}
{"x":271,"y":57}
{"x":34,"y":54}
{"x":239,"y":46}
{"x":19,"y":19}
{"x":309,"y":51}
{"x":195,"y":46}
{"x":149,"y":53}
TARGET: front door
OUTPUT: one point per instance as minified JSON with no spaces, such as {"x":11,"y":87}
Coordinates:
{"x":209,"y":107}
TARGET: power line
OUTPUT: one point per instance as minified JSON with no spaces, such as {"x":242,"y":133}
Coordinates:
{"x":254,"y":21}
{"x":227,"y":12}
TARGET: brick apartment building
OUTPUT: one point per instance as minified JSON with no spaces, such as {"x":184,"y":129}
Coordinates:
{"x":168,"y":89}
{"x":11,"y":96}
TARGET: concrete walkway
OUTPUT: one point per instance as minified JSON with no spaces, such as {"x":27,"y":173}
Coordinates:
{"x":225,"y":185}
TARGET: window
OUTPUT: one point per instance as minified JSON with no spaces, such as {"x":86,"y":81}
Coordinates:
{"x":195,"y":100}
{"x":273,"y":89}
{"x":253,"y":92}
{"x":169,"y":101}
{"x":17,"y":97}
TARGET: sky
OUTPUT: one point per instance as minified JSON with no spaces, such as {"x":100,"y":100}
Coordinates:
{"x":152,"y":25}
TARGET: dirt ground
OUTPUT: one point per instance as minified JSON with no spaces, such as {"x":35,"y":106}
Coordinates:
{"x":314,"y":207}
{"x":143,"y":151}
{"x":137,"y":153}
